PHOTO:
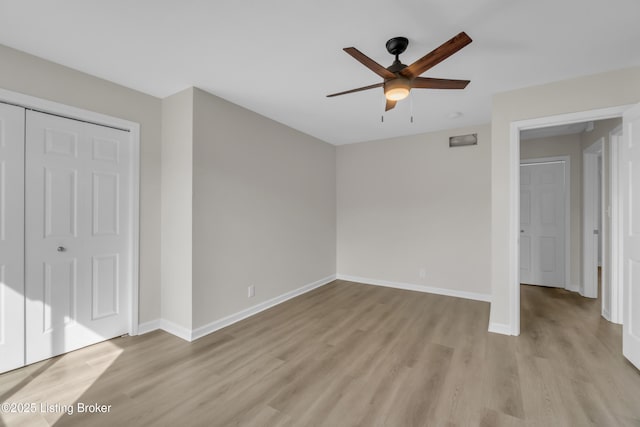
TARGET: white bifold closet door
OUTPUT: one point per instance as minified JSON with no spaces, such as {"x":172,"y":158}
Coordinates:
{"x":77,"y":234}
{"x":11,"y":237}
{"x":65,"y":235}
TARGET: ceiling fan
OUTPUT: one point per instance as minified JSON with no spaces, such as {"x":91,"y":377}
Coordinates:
{"x":399,"y":78}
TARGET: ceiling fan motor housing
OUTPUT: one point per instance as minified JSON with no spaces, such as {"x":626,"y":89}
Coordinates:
{"x":397,"y":66}
{"x":397,"y":45}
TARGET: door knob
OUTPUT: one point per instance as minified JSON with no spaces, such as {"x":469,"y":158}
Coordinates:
{"x":522,"y":231}
{"x":61,"y":249}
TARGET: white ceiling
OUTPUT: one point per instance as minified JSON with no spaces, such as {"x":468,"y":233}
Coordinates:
{"x":280,"y":58}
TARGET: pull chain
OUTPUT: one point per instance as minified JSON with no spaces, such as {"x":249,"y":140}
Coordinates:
{"x":411,"y":107}
{"x":410,"y":111}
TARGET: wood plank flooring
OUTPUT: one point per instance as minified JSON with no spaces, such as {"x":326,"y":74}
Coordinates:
{"x":349,"y":354}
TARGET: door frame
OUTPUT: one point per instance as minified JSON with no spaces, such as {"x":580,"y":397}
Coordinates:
{"x":567,"y":212}
{"x":514,"y":192}
{"x":616,"y":301}
{"x":55,"y":108}
{"x":590,"y":207}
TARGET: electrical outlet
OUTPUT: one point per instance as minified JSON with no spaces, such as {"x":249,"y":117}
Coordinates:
{"x":251,"y":291}
{"x":422,"y":273}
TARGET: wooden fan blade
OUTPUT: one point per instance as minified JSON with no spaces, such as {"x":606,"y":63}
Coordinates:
{"x":390,"y":105}
{"x":437,"y":55}
{"x":369,"y":63}
{"x":356,"y":90}
{"x":431,"y":83}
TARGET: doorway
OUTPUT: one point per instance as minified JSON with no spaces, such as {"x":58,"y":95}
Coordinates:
{"x":514,"y":229}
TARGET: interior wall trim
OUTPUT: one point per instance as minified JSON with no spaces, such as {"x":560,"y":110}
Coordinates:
{"x":500,"y":328}
{"x":418,"y":288}
{"x":175,"y":329}
{"x":150,"y":326}
{"x":193,"y":334}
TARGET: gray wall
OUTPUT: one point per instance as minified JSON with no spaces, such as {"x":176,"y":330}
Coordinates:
{"x":412,"y":203}
{"x":264,"y":209}
{"x":177,"y":200}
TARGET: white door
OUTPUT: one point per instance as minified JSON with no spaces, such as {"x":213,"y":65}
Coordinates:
{"x":591,"y":218}
{"x":77,"y":237}
{"x":11,"y":237}
{"x":630,"y":190}
{"x":542,"y":223}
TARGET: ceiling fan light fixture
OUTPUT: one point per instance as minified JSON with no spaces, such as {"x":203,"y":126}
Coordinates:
{"x":397,"y":89}
{"x":399,"y":79}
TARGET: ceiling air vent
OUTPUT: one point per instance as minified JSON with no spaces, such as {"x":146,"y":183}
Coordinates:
{"x":463,"y":140}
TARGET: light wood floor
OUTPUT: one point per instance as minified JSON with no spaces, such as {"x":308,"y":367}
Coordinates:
{"x":350,"y":354}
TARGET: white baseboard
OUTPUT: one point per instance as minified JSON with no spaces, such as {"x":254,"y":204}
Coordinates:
{"x":150,"y":326}
{"x":193,"y":334}
{"x":236,"y":317}
{"x":165,"y":325}
{"x":572,"y":288}
{"x":418,"y":288}
{"x":177,"y":330}
{"x":500,"y":328}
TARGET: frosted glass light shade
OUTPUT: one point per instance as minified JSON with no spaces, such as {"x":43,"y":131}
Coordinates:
{"x":397,"y":89}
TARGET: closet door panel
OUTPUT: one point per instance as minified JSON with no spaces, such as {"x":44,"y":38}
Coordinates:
{"x":11,"y":237}
{"x":77,"y":235}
